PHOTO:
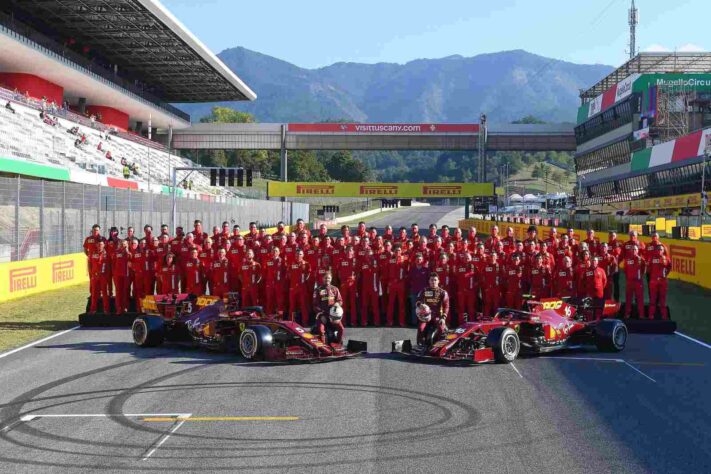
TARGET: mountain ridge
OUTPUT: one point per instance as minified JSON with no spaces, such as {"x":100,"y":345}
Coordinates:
{"x":505,"y":85}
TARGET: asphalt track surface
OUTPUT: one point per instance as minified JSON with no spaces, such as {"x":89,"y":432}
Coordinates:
{"x":172,"y":409}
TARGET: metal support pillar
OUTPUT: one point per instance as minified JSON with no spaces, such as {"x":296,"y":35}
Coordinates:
{"x":17,"y":219}
{"x":467,"y":203}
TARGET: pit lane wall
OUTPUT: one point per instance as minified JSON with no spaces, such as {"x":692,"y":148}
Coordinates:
{"x":690,"y":259}
{"x":28,"y":277}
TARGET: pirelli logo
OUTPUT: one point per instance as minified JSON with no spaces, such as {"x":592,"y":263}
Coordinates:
{"x":379,"y":190}
{"x":63,"y":271}
{"x":315,"y":189}
{"x":24,"y":278}
{"x":442,"y":190}
{"x":683,"y":259}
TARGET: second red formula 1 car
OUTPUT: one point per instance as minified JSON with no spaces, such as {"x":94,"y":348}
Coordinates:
{"x":210,"y":323}
{"x":548,"y":325}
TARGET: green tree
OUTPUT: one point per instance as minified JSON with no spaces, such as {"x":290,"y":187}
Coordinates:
{"x":304,"y":166}
{"x":227,"y":115}
{"x":529,"y":119}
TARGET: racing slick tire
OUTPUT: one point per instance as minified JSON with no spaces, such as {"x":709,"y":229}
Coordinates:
{"x":505,"y":343}
{"x":148,"y":331}
{"x":254,"y":341}
{"x":611,"y":335}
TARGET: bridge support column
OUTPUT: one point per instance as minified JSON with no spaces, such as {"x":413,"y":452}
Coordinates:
{"x":284,"y":156}
{"x":467,"y":203}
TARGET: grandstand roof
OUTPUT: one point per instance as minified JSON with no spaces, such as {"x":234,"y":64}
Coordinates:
{"x":143,"y":39}
{"x":650,"y":63}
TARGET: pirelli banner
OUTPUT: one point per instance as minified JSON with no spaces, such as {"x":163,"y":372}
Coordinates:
{"x":380,"y":190}
{"x":690,"y":259}
{"x":28,"y":277}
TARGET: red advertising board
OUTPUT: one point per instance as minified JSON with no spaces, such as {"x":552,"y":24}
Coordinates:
{"x":384,"y":128}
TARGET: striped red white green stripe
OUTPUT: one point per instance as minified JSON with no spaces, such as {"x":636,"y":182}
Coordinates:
{"x":683,"y":148}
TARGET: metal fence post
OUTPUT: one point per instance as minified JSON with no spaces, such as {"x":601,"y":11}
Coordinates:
{"x":98,"y":215}
{"x":41,"y":218}
{"x":113,"y":210}
{"x":81,"y":212}
{"x":17,"y":219}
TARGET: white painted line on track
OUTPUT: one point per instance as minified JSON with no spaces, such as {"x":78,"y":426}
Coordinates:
{"x":9,"y":427}
{"x":514,"y":367}
{"x":597,"y":359}
{"x":638,"y":371}
{"x":701,"y":343}
{"x":100,"y":415}
{"x":165,"y":437}
{"x":8,"y":353}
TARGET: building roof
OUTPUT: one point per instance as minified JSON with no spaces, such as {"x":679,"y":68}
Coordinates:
{"x":650,"y":63}
{"x":143,"y":39}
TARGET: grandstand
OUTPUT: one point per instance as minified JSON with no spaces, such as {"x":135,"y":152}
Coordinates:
{"x":641,"y":130}
{"x":86,"y":80}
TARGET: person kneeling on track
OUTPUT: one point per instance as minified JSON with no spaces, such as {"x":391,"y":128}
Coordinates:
{"x":327,"y":303}
{"x":432,"y":309}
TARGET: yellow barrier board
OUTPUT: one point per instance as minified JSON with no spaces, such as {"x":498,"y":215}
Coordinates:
{"x":690,"y":259}
{"x":670,"y":224}
{"x":660,"y":224}
{"x":695,"y":233}
{"x":667,"y":202}
{"x":380,"y":190}
{"x":28,"y":277}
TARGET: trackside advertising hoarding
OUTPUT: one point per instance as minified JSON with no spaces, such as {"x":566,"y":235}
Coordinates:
{"x":28,"y":277}
{"x":385,"y":128}
{"x":380,"y":190}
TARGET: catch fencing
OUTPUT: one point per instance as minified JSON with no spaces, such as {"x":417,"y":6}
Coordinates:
{"x":40,"y":218}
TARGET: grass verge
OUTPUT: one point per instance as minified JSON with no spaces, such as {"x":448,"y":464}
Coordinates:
{"x":34,"y":317}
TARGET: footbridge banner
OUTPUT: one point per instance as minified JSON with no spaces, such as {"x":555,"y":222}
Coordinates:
{"x":380,"y":190}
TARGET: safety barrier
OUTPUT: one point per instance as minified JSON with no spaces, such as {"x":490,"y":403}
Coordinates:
{"x":28,"y":277}
{"x":690,"y":259}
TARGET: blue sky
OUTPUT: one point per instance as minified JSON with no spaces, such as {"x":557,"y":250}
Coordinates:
{"x":314,"y":33}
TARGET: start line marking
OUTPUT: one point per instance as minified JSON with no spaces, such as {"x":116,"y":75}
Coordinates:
{"x":602,"y":359}
{"x":220,"y":418}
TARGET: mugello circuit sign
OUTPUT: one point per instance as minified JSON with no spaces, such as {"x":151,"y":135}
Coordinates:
{"x":385,"y":128}
{"x":379,"y":190}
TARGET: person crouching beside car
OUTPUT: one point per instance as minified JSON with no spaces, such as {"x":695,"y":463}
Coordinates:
{"x":432,"y":309}
{"x":327,"y":302}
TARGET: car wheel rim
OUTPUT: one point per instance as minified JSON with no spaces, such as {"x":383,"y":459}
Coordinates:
{"x":620,"y":337}
{"x":510,"y":346}
{"x":247,"y":344}
{"x":139,"y":332}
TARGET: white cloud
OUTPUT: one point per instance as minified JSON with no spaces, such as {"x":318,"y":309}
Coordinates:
{"x":656,"y":48}
{"x":690,"y":48}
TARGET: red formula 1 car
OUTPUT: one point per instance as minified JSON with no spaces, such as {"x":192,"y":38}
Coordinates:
{"x":209,"y":323}
{"x":547,"y":325}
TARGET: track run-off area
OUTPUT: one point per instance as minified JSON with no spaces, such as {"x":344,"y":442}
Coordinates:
{"x":90,"y":399}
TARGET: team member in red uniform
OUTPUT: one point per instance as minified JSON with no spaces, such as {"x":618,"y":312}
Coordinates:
{"x":553,"y":240}
{"x":513,"y":282}
{"x":177,"y":242}
{"x":91,"y":243}
{"x":149,"y":282}
{"x":580,"y":268}
{"x":608,"y":262}
{"x":347,"y":276}
{"x":325,"y":296}
{"x":615,"y":247}
{"x":369,"y":289}
{"x":164,"y":231}
{"x":98,"y":275}
{"x":653,"y":248}
{"x":388,"y":234}
{"x":437,"y":301}
{"x":628,"y":247}
{"x":113,"y":244}
{"x":572,"y":242}
{"x":467,"y":284}
{"x":198,"y":235}
{"x":186,"y":249}
{"x":397,"y":272}
{"x":299,"y":292}
{"x":509,"y":242}
{"x":532,"y":240}
{"x":194,"y":274}
{"x":593,"y":242}
{"x":279,"y":232}
{"x":236,"y":256}
{"x":301,"y":227}
{"x":444,"y":271}
{"x":275,"y":281}
{"x":119,"y":273}
{"x":635,"y":268}
{"x":250,"y":277}
{"x":472,"y":239}
{"x":659,"y":268}
{"x":219,"y":275}
{"x":564,"y":279}
{"x":137,"y":266}
{"x":539,"y":278}
{"x":252,"y":235}
{"x":415,"y":233}
{"x":169,"y":275}
{"x":491,"y":289}
{"x":493,"y":241}
{"x":313,"y":255}
{"x":595,"y":284}
{"x":563,"y":250}
{"x":432,"y":233}
{"x":548,"y":258}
